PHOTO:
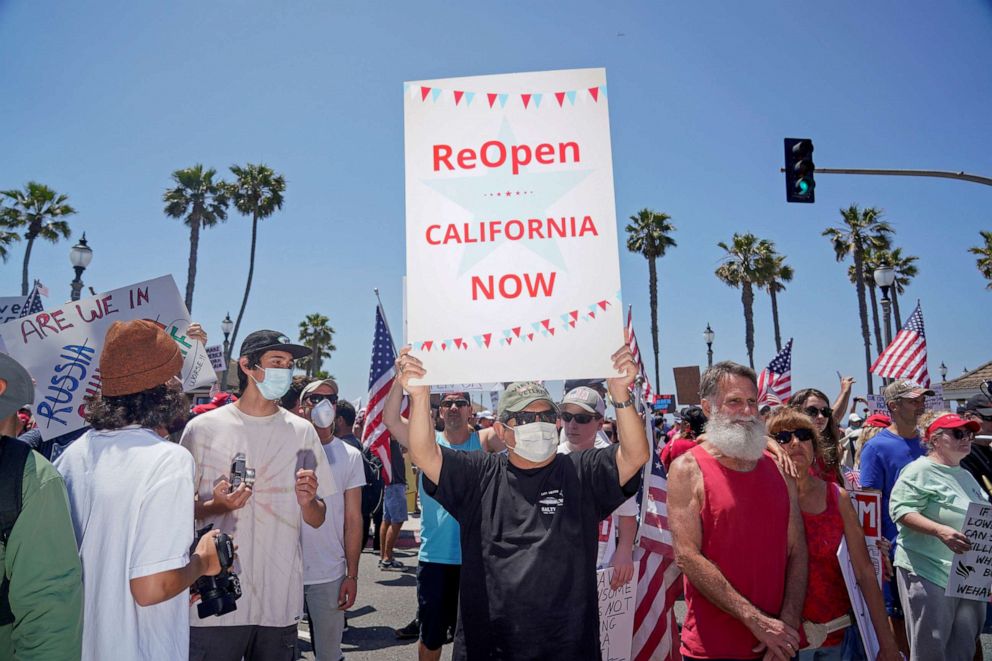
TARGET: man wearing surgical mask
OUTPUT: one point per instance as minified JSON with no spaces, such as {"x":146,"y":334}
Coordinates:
{"x":292,"y":477}
{"x":529,"y":519}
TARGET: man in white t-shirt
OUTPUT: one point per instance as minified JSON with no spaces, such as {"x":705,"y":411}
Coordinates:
{"x":291,"y":476}
{"x":129,"y":493}
{"x":331,"y":552}
{"x":581,"y":416}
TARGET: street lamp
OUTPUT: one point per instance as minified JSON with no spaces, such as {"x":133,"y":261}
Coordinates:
{"x":943,"y":372}
{"x":708,"y":336}
{"x":80,"y":256}
{"x":885,"y":275}
{"x":226,"y":326}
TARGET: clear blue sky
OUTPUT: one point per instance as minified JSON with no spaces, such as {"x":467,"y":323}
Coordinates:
{"x":102,"y":101}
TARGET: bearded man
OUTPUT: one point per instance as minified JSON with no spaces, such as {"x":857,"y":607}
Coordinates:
{"x":737,"y":531}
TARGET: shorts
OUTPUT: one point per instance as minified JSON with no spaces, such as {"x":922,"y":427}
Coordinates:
{"x":394,"y":503}
{"x":437,"y":601}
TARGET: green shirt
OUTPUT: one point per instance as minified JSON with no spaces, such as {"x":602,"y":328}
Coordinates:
{"x":940,"y":493}
{"x":42,"y":564}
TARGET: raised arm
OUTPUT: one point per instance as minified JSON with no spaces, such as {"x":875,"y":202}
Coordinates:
{"x":397,"y":426}
{"x":634,"y":449}
{"x":424,"y":450}
{"x":840,"y":404}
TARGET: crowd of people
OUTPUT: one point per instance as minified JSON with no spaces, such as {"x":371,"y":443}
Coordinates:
{"x":168,"y":532}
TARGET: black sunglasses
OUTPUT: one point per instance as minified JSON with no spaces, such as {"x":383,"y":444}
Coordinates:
{"x":608,"y":432}
{"x":812,"y":411}
{"x":959,"y":433}
{"x":317,"y":399}
{"x":528,"y":417}
{"x":581,"y":418}
{"x":785,"y":436}
{"x":449,"y":403}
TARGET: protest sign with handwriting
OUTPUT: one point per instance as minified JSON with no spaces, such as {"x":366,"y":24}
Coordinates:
{"x":616,"y":616}
{"x":971,"y":572}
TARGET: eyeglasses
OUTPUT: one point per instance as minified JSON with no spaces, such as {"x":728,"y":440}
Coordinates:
{"x":812,"y":411}
{"x":581,"y":418}
{"x":317,"y":399}
{"x":608,"y":432}
{"x":958,"y":434}
{"x":528,"y":417}
{"x":786,"y":436}
{"x":450,"y":403}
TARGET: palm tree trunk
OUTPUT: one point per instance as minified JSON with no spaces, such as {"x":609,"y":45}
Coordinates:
{"x":874,"y":317}
{"x":251,"y":272}
{"x":747,"y":298}
{"x":895,"y":308}
{"x":653,"y":289}
{"x":859,"y":273}
{"x":774,"y":296}
{"x":24,"y":270}
{"x":194,"y":245}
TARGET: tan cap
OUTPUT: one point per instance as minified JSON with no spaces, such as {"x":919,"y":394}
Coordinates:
{"x":137,"y":355}
{"x":904,"y":389}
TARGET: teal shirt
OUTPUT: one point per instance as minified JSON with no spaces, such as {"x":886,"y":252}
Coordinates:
{"x":440,"y":535}
{"x":42,"y":564}
{"x":942,"y":494}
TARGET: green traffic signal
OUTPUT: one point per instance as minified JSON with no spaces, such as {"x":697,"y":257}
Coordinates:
{"x":799,"y":169}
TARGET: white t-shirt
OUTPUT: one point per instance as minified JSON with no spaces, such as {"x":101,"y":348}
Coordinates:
{"x":323,"y":547}
{"x":129,"y":494}
{"x":267,"y":529}
{"x":607,"y":527}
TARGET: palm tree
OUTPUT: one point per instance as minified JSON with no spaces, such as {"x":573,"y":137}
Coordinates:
{"x":859,"y":232}
{"x":649,"y":234}
{"x":257,"y":191}
{"x":743,"y":267}
{"x":873,"y":258}
{"x":984,"y":261}
{"x":317,"y":334}
{"x":6,"y":239}
{"x":201,"y":202}
{"x":776,"y":272}
{"x":40,"y":211}
{"x":905,"y":268}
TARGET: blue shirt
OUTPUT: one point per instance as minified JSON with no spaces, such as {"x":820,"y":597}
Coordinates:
{"x":439,"y":532}
{"x":882,"y":459}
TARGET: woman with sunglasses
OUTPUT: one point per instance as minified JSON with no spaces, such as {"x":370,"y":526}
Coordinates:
{"x":928,"y":504}
{"x":814,"y":404}
{"x":828,"y":517}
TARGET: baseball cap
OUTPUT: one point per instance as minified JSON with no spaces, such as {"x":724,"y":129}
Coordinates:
{"x":585,"y":398}
{"x":485,"y":415}
{"x":853,"y":418}
{"x":572,"y":384}
{"x":952,"y":421}
{"x":520,"y":395}
{"x":979,"y":403}
{"x":270,"y":340}
{"x":313,"y":385}
{"x":878,"y":420}
{"x":19,"y":390}
{"x":904,"y":389}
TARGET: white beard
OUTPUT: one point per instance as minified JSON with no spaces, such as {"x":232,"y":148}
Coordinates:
{"x":738,"y":438}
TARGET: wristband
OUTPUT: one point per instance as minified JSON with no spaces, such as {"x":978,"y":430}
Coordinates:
{"x":354,"y":578}
{"x":623,"y":405}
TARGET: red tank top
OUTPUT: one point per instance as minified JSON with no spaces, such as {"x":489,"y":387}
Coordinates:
{"x":826,"y":595}
{"x":745,"y":519}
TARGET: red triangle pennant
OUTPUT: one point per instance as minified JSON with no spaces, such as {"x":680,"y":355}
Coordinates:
{"x":458,"y":96}
{"x":603,"y":304}
{"x":526,"y":99}
{"x":509,"y":340}
{"x":428,"y":345}
{"x":593,"y":314}
{"x":443,"y":346}
{"x":492,"y":99}
{"x":516,"y":331}
{"x":486,"y":338}
{"x":572,"y":324}
{"x":574,"y":314}
{"x":458,"y":342}
{"x":594,"y":92}
{"x":560,"y":96}
{"x":424,"y":91}
{"x":551,"y":330}
{"x":530,"y":336}
{"x":547,"y":324}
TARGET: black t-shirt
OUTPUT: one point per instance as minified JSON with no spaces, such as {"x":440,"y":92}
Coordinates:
{"x":529,"y":541}
{"x":397,"y":462}
{"x":979,"y":464}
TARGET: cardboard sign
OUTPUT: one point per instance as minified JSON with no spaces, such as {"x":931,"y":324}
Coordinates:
{"x":11,"y":307}
{"x":616,"y":616}
{"x":971,"y":572}
{"x":868,"y":506}
{"x":61,"y":348}
{"x":687,"y":384}
{"x":512,"y":264}
{"x":216,"y":356}
{"x":858,"y":604}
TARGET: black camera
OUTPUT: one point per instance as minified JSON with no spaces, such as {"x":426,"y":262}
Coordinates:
{"x":219,"y":593}
{"x":241,"y":473}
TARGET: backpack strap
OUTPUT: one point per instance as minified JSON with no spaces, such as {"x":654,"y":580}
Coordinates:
{"x":13,"y":456}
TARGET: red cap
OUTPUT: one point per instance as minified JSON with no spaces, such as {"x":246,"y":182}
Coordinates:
{"x":952,"y":421}
{"x":878,"y":420}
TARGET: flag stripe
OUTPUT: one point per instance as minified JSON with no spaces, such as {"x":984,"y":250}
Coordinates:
{"x":906,"y":355}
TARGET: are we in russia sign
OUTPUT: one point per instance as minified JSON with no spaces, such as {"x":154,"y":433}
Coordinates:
{"x":512,"y":264}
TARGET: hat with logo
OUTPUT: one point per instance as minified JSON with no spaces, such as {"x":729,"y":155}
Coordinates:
{"x":17,"y":388}
{"x":270,"y":340}
{"x":586,"y":398}
{"x":137,"y":355}
{"x":520,"y":395}
{"x":952,"y":421}
{"x":904,"y":389}
{"x":980,"y":404}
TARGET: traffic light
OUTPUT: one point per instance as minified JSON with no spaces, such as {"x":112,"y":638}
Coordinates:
{"x":799,"y":169}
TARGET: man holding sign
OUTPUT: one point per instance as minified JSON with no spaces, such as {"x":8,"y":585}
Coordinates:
{"x":529,"y":519}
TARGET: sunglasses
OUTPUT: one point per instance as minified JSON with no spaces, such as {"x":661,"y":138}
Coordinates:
{"x":581,"y":418}
{"x":317,"y":399}
{"x":976,"y":414}
{"x":608,"y":432}
{"x":958,"y":434}
{"x":812,"y":411}
{"x":528,"y":417}
{"x":451,"y":403}
{"x":786,"y":436}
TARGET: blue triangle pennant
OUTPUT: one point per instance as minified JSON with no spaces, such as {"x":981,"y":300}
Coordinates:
{"x":478,"y":340}
{"x":502,"y":100}
{"x":435,"y":93}
{"x":468,"y":98}
{"x":537,"y":100}
{"x":571,"y":97}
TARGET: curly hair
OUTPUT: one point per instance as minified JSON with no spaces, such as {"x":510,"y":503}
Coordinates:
{"x":925,"y":421}
{"x":785,"y":418}
{"x":829,"y":444}
{"x":156,"y":407}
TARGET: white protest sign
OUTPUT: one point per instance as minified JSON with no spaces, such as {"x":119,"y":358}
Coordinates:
{"x":935,"y":402}
{"x":868,"y":506}
{"x":858,"y":604}
{"x":512,"y":265}
{"x":971,"y":572}
{"x":616,"y":616}
{"x":457,"y":387}
{"x":11,"y":307}
{"x":216,"y":356}
{"x":61,"y":348}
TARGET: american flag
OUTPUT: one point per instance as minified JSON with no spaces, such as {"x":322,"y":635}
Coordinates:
{"x":42,"y":289}
{"x":775,"y":381}
{"x":632,"y":342}
{"x":382,"y":372}
{"x":32,"y":304}
{"x":906,"y":357}
{"x":659,"y":580}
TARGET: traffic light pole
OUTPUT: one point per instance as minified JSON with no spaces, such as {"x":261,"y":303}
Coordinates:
{"x":942,"y":174}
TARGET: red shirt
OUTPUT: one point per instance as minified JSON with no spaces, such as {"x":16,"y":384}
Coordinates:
{"x":674,"y":448}
{"x":745,"y":519}
{"x":826,"y":594}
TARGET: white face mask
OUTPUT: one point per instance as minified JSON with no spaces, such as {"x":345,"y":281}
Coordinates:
{"x":536,"y":441}
{"x":323,"y":414}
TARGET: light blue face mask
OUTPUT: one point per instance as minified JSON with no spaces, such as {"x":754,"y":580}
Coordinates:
{"x":276,"y":383}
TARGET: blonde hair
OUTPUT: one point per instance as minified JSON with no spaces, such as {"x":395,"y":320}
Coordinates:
{"x":925,"y":421}
{"x":867,"y":433}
